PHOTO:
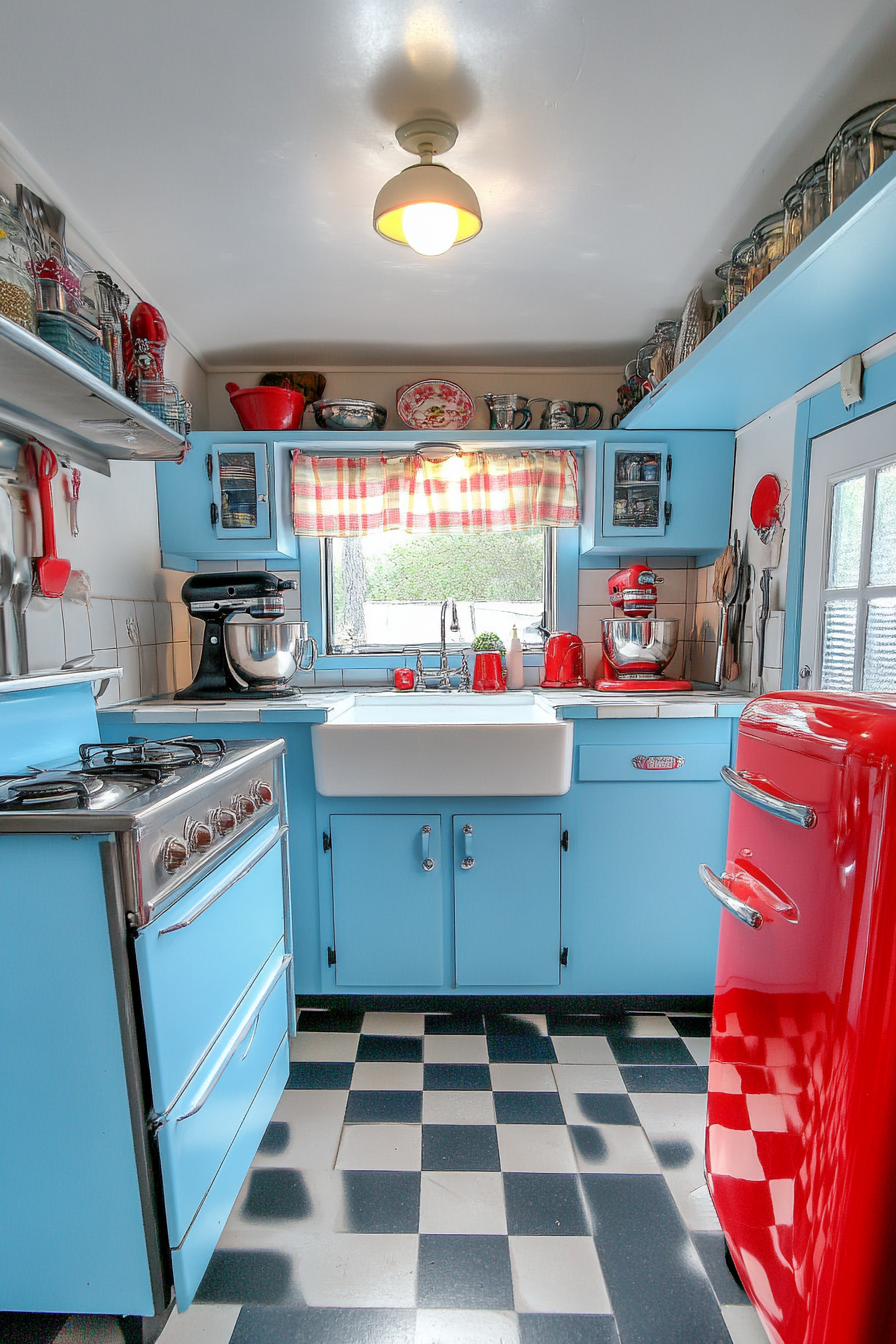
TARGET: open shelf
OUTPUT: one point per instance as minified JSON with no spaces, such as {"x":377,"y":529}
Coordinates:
{"x":46,"y":394}
{"x":833,"y":297}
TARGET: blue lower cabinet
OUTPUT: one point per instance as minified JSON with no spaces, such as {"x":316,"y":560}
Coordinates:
{"x":387,"y":900}
{"x":507,"y":899}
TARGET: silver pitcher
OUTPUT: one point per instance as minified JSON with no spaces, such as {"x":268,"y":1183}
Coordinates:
{"x":504,"y":407}
{"x":569,"y":414}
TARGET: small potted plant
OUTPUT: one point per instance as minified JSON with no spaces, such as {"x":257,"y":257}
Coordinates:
{"x":488,"y":669}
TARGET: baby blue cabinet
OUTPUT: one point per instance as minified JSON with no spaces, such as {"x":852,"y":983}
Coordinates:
{"x":387,"y":900}
{"x":507,"y":899}
{"x":656,"y":494}
{"x":228,"y":500}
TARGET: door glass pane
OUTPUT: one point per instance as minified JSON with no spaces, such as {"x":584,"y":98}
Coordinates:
{"x":847,"y":508}
{"x":883,"y":538}
{"x":838,"y":648}
{"x":879,"y":672}
{"x":239,"y":492}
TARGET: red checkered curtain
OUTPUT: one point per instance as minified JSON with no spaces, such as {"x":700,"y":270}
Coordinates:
{"x":468,"y":492}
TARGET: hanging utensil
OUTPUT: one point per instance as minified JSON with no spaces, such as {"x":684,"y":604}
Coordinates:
{"x":50,"y":572}
{"x":725,"y":586}
{"x":736,"y":619}
{"x":765,"y":584}
{"x":71,"y":488}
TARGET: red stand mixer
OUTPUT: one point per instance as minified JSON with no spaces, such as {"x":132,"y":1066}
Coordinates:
{"x":636,"y":645}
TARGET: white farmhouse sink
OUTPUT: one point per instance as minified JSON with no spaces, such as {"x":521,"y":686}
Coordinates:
{"x":426,"y":744}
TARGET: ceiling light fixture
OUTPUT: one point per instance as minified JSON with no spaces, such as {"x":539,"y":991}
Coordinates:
{"x":427,"y":207}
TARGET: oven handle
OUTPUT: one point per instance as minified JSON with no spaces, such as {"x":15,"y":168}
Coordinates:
{"x":739,"y":909}
{"x":799,"y":813}
{"x":250,"y":1023}
{"x":225,"y":886}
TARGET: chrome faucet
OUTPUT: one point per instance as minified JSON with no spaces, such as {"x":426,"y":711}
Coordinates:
{"x":444,"y":673}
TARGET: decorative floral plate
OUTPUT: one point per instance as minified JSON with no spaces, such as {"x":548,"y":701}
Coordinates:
{"x":435,"y":404}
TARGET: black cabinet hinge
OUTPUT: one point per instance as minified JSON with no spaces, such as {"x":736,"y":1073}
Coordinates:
{"x":564,"y":956}
{"x":564,"y":841}
{"x":328,"y":844}
{"x":331,"y":956}
{"x":668,"y":466}
{"x":213,"y":513}
{"x":667,"y":511}
{"x":208,"y":465}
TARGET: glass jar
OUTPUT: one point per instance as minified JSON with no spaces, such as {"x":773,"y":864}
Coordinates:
{"x":816,"y":205}
{"x":793,"y":218}
{"x":737,"y":272}
{"x":768,"y":239}
{"x":861,"y":145}
{"x":18,"y":297}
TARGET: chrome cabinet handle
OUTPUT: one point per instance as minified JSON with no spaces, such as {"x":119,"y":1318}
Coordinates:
{"x":428,"y":863}
{"x":739,"y":909}
{"x":250,"y":1024}
{"x":799,"y":813}
{"x":467,"y":861}
{"x":225,"y":886}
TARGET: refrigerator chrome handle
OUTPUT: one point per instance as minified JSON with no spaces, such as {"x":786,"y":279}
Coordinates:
{"x":799,"y":813}
{"x":739,"y":909}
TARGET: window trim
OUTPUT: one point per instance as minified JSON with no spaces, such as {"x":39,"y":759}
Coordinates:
{"x":312,"y":581}
{"x":549,"y":604}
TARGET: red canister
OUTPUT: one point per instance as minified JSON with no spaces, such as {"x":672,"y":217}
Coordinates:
{"x":403,"y":677}
{"x":488,"y":674}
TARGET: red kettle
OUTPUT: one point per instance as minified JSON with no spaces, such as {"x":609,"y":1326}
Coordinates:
{"x":564,"y":662}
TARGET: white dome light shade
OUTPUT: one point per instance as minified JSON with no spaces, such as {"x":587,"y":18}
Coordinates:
{"x":430,"y":227}
{"x":426,"y":185}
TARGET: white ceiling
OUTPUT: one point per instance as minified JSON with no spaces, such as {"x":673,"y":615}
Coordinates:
{"x":228,"y":154}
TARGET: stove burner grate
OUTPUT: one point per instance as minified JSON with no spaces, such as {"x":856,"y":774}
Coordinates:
{"x":138,"y":753}
{"x":46,"y":790}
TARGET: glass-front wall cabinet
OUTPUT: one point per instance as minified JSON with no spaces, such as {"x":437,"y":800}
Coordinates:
{"x":635,"y":481}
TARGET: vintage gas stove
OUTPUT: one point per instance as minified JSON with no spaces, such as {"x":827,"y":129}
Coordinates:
{"x":146,"y":996}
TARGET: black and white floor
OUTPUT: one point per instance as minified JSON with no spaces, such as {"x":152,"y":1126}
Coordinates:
{"x":470,"y":1179}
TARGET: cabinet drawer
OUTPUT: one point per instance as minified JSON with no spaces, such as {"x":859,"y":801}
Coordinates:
{"x":652,"y":763}
{"x":197,"y":959}
{"x":189,"y":1260}
{"x":195,"y":1135}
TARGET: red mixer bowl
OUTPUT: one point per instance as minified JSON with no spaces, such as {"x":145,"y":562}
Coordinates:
{"x":267,"y":407}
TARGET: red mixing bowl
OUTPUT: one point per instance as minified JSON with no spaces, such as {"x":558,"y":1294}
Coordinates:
{"x":267,"y":407}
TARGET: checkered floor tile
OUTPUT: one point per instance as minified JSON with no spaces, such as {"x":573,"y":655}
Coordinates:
{"x":493,"y":1179}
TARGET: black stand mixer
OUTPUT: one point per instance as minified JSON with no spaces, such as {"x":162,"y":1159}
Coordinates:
{"x":215,"y":597}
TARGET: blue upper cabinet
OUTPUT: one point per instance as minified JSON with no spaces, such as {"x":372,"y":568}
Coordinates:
{"x":657,"y":493}
{"x":228,"y":500}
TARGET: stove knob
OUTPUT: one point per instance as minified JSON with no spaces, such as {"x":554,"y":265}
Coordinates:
{"x":222,"y":820}
{"x":242,"y":806}
{"x":261,"y":794}
{"x":174,"y":854}
{"x":198,"y":835}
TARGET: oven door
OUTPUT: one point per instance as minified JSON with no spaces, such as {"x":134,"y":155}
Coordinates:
{"x":214,"y":979}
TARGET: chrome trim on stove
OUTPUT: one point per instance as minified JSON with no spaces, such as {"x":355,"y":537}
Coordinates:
{"x":225,"y":886}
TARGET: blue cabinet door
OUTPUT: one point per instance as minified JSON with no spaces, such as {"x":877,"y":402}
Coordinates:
{"x":507,"y":900}
{"x":657,"y":494}
{"x":387,"y":900}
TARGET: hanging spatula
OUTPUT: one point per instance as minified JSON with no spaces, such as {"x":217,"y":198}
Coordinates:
{"x":50,"y":573}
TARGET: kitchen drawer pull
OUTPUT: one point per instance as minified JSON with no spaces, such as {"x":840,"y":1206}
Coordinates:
{"x":225,"y":886}
{"x":250,"y":1024}
{"x":658,"y":762}
{"x":428,"y":863}
{"x":739,"y":783}
{"x":467,"y":861}
{"x":739,"y":909}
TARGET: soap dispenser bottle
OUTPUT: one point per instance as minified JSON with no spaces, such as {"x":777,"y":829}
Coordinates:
{"x":515,"y":663}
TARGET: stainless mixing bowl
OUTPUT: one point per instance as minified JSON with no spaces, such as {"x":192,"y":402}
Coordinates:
{"x":639,"y":648}
{"x":269,"y":653}
{"x":349,"y":413}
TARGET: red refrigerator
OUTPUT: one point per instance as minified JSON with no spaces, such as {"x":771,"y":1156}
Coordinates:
{"x":801,"y":1123}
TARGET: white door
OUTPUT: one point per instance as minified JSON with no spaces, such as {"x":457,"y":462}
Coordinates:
{"x":848,"y":629}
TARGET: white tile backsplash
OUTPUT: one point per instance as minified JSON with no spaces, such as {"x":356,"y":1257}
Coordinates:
{"x":45,"y":633}
{"x":124,"y":612}
{"x":146,"y":622}
{"x":163,"y":622}
{"x":102,"y":624}
{"x":76,"y":623}
{"x":129,"y":662}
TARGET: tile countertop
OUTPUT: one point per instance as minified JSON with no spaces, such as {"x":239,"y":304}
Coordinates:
{"x":315,"y":706}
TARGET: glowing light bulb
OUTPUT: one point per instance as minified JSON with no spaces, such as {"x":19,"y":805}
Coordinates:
{"x":430,"y":228}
